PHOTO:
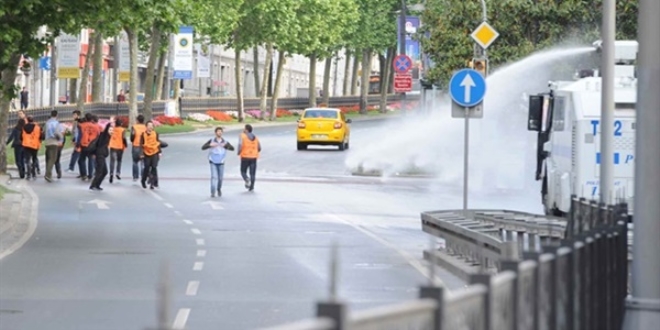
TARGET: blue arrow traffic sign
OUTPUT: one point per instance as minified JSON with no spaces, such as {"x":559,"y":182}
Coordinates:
{"x":467,"y":88}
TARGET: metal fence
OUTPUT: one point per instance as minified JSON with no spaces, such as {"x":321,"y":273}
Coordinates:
{"x":577,"y":282}
{"x":192,"y":105}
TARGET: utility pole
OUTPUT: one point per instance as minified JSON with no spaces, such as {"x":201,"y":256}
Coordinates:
{"x":608,"y":29}
{"x":170,"y":67}
{"x":643,"y":306}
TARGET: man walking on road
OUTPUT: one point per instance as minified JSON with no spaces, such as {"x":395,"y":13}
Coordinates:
{"x":218,"y":150}
{"x":136,"y":152}
{"x":53,"y":138}
{"x":151,"y":149}
{"x":75,"y":133}
{"x":101,"y":153}
{"x":249,"y":148}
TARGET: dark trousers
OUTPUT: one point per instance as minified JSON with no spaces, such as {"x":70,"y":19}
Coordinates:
{"x":150,"y":170}
{"x":138,"y":164}
{"x":101,"y":171}
{"x":251,"y":165}
{"x":20,"y":160}
{"x":116,"y":156}
{"x":88,"y":170}
{"x":74,"y":159}
{"x":30,"y":155}
{"x":58,"y":166}
{"x":52,"y":160}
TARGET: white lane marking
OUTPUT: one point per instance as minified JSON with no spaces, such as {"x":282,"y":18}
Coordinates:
{"x":168,"y":205}
{"x":412,"y":261}
{"x":178,"y":213}
{"x":195,"y":231}
{"x":201,"y":253}
{"x":200,"y":241}
{"x":181,"y":319}
{"x":188,"y":222}
{"x":156,"y":196}
{"x":192,"y":288}
{"x":199,"y":265}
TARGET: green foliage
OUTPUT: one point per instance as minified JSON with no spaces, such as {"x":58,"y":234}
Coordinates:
{"x":525,"y":26}
{"x":377,"y":25}
{"x":215,"y":19}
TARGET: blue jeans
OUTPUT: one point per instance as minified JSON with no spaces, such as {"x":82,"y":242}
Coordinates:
{"x":217,"y":173}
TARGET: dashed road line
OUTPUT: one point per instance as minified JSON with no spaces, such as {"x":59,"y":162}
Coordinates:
{"x":201,"y":253}
{"x":195,"y":231}
{"x":192,"y":288}
{"x":181,"y":319}
{"x":168,"y":205}
{"x":156,"y":196}
{"x":178,"y":213}
{"x":198,"y":266}
{"x":200,"y":241}
{"x":187,"y":222}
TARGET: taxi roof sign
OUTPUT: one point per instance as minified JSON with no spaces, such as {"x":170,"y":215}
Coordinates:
{"x":484,"y":35}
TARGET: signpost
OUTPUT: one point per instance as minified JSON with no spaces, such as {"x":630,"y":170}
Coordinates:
{"x":467,"y":89}
{"x":402,"y":77}
{"x":484,"y":35}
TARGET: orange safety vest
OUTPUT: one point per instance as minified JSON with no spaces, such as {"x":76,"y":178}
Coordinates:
{"x":249,"y":148}
{"x":150,"y":144}
{"x":89,"y":132}
{"x":31,"y":140}
{"x":138,"y":129}
{"x":117,"y":139}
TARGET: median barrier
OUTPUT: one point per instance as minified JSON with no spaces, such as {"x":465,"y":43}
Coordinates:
{"x":565,"y":280}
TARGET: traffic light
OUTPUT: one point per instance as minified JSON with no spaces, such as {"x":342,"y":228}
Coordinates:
{"x":480,"y":65}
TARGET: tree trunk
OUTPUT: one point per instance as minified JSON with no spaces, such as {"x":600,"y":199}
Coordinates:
{"x":97,"y":82}
{"x":278,"y":81}
{"x":177,"y":94}
{"x":364,"y":87}
{"x":385,"y":80}
{"x":239,"y":86}
{"x":8,"y":77}
{"x":263,"y":104}
{"x":73,"y":91}
{"x":133,"y":82}
{"x":82,"y":93}
{"x":390,"y":86}
{"x":154,"y":49}
{"x":160,"y":76}
{"x":347,"y":73}
{"x":255,"y":68}
{"x":326,"y":81}
{"x":382,"y":59}
{"x":356,"y":68}
{"x":312,"y":81}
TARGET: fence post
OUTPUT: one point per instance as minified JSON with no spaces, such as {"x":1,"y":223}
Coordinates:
{"x":485,"y":280}
{"x":512,"y":265}
{"x":437,"y":293}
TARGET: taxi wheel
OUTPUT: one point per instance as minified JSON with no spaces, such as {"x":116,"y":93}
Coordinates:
{"x":342,"y":146}
{"x":302,"y":146}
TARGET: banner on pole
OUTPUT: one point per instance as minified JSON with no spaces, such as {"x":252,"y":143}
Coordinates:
{"x":203,"y":66}
{"x":68,"y":57}
{"x":124,"y":58}
{"x":183,"y":53}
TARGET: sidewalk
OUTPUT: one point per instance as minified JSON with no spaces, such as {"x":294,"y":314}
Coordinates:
{"x":18,"y":219}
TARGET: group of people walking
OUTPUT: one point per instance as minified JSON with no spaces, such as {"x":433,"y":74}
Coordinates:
{"x":93,"y":144}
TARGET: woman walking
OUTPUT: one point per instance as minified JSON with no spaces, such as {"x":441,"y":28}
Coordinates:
{"x":16,"y":141}
{"x":101,"y":153}
{"x":118,"y":144}
{"x":217,"y":147}
{"x":151,"y":149}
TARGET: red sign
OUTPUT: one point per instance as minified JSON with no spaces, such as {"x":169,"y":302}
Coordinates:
{"x":402,"y":83}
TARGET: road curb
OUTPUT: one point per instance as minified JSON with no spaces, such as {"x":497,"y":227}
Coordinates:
{"x":20,"y":221}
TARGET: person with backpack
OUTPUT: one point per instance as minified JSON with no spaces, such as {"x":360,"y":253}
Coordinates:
{"x":150,"y":145}
{"x":89,"y":130}
{"x":99,"y":148}
{"x":217,"y":147}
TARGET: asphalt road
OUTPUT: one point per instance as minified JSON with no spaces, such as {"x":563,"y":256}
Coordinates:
{"x":246,"y":260}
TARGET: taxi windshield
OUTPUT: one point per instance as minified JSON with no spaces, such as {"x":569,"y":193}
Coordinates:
{"x":320,"y":114}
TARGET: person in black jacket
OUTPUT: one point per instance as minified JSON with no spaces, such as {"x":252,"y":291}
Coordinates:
{"x":101,"y":154}
{"x":16,"y":140}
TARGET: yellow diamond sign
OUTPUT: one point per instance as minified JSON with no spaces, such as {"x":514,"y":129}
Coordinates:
{"x":484,"y":35}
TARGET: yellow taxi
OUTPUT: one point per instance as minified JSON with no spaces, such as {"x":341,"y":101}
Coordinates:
{"x":323,"y":126}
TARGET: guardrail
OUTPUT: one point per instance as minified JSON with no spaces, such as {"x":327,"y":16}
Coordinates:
{"x":578,"y":282}
{"x":191,"y":105}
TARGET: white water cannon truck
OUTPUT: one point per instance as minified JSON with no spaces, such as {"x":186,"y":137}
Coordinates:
{"x":567,"y":122}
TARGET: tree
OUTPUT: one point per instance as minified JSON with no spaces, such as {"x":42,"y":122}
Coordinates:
{"x":524,"y":27}
{"x":20,"y":22}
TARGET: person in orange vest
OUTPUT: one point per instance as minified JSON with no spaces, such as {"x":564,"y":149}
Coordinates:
{"x":151,"y":151}
{"x":89,"y":131}
{"x":30,"y":137}
{"x":136,"y":151}
{"x":117,"y":146}
{"x":249,"y":148}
